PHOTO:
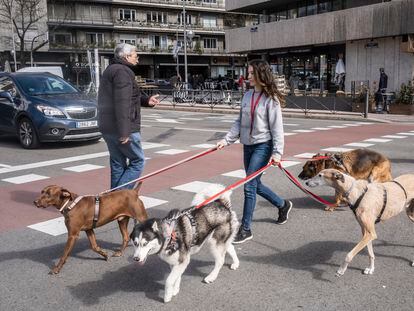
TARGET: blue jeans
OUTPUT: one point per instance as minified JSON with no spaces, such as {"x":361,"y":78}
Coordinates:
{"x":255,"y":157}
{"x":126,"y":160}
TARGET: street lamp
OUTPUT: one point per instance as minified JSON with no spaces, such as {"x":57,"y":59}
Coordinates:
{"x":188,"y":35}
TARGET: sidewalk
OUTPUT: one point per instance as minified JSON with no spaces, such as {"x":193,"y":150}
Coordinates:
{"x":296,"y":113}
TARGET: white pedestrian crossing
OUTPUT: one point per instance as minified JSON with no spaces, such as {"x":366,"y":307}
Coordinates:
{"x":378,"y":140}
{"x":194,"y":186}
{"x":394,"y":136}
{"x":171,"y":151}
{"x":337,"y":149}
{"x":151,"y":202}
{"x":360,"y":145}
{"x":24,"y":179}
{"x":237,"y":174}
{"x":52,"y":227}
{"x":83,"y":168}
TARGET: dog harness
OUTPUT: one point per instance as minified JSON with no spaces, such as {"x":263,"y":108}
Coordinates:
{"x":384,"y":200}
{"x":76,"y":201}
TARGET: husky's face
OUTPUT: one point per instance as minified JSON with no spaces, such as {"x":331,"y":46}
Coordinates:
{"x":146,"y":239}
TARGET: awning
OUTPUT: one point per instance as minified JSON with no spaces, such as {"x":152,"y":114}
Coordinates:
{"x":181,"y":64}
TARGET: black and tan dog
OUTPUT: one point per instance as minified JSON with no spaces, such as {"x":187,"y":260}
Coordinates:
{"x":80,"y":215}
{"x":359,"y":163}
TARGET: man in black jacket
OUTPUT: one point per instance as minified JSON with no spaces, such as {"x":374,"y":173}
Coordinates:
{"x":119,"y":112}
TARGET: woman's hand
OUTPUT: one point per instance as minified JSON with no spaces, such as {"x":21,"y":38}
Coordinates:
{"x":275,"y":159}
{"x":221,"y":144}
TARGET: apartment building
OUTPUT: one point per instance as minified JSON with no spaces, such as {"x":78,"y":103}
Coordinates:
{"x":306,"y":39}
{"x":154,"y":26}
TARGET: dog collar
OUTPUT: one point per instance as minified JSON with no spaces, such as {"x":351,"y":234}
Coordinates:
{"x":354,"y":206}
{"x":72,"y":205}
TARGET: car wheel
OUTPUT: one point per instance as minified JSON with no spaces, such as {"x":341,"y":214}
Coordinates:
{"x":27,"y":134}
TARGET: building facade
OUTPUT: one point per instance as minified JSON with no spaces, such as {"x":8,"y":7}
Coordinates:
{"x":155,"y":27}
{"x":305,"y":40}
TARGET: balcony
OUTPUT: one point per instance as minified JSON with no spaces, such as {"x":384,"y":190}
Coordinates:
{"x":108,"y":46}
{"x":82,"y":22}
{"x":196,"y":5}
{"x":166,"y":27}
{"x":372,"y":21}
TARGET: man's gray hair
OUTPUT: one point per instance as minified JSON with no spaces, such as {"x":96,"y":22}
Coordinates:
{"x":124,"y":49}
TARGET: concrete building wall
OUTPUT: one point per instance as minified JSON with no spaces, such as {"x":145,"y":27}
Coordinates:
{"x":363,"y":63}
{"x":379,"y":20}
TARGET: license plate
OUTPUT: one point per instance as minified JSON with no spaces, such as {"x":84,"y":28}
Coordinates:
{"x":86,"y":123}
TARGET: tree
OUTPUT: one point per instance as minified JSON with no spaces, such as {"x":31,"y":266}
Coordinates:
{"x":24,"y":16}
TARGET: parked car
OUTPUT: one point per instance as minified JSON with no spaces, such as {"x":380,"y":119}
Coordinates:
{"x":42,"y":107}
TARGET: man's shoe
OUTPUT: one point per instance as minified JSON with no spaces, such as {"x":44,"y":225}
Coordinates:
{"x":284,"y":213}
{"x":242,"y":236}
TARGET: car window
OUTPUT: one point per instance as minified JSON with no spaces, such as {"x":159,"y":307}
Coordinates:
{"x":45,"y":85}
{"x":7,"y":85}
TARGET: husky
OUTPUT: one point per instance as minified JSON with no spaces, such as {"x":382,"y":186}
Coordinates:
{"x":182,"y":233}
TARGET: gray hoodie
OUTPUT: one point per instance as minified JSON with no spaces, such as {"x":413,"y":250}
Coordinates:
{"x":267,"y":123}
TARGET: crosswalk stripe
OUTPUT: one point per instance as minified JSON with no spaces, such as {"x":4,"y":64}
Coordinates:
{"x":24,"y":179}
{"x":171,"y":151}
{"x":194,"y":186}
{"x":337,"y":149}
{"x":362,"y":145}
{"x":378,"y":140}
{"x":83,"y":168}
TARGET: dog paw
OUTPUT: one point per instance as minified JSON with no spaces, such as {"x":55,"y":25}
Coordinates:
{"x":209,"y":279}
{"x":55,"y":270}
{"x":330,"y":208}
{"x":234,"y":265}
{"x":412,"y":264}
{"x":369,"y":271}
{"x":117,"y":254}
{"x":167,"y":299}
{"x":340,"y":273}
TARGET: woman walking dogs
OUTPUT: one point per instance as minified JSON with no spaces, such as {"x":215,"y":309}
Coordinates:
{"x":260,"y":129}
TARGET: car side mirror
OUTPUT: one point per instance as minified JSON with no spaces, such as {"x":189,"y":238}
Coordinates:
{"x":6,"y":95}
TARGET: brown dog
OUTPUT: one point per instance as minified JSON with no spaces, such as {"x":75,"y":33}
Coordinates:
{"x":371,"y":203}
{"x":359,"y":163}
{"x":120,"y":205}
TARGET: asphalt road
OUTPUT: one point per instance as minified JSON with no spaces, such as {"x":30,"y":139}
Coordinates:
{"x":289,"y":267}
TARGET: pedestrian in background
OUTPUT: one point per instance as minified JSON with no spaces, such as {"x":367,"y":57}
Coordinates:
{"x":119,"y":112}
{"x":260,"y":129}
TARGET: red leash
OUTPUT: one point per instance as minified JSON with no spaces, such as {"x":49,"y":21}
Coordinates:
{"x":299,"y":185}
{"x":235,"y":185}
{"x":196,"y":156}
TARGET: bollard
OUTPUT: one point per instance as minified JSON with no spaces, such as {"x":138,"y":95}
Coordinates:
{"x":366,"y":103}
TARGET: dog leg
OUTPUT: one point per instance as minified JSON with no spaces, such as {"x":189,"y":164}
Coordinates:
{"x":364,"y":242}
{"x":219,"y":252}
{"x":94,"y":245}
{"x":371,"y":268}
{"x":233,"y":255}
{"x":68,"y":248}
{"x":123,"y":226}
{"x":175,"y":275}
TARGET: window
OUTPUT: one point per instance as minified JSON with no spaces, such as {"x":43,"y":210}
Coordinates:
{"x":157,"y":17}
{"x":127,"y":15}
{"x":62,"y":38}
{"x":324,"y":6}
{"x":95,"y":38}
{"x":210,"y":1}
{"x":128,"y":39}
{"x":188,"y":19}
{"x":7,"y":85}
{"x":210,"y":43}
{"x":158,"y":41}
{"x":312,"y":7}
{"x":209,"y":21}
{"x":337,"y":5}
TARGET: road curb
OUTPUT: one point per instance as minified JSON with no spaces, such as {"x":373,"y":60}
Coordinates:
{"x":286,"y":114}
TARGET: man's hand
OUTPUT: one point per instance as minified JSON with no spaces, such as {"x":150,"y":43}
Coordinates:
{"x":221,"y":144}
{"x":276,"y":159}
{"x":124,"y":140}
{"x":153,"y":100}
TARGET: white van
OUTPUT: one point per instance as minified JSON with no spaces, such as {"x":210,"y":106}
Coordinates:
{"x":56,"y":70}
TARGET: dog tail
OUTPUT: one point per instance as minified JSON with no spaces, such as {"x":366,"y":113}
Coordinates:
{"x":211,"y":191}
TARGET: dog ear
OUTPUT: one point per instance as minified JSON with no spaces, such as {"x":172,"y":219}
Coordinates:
{"x":137,"y":186}
{"x":66,"y":194}
{"x":155,"y":226}
{"x":339,"y":176}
